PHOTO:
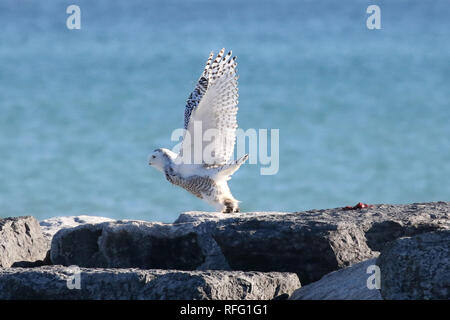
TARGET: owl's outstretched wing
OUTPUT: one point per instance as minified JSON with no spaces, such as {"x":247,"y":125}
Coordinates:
{"x":211,"y":108}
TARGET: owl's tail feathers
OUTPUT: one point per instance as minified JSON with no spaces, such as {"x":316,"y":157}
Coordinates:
{"x":242,"y":160}
{"x":228,"y":169}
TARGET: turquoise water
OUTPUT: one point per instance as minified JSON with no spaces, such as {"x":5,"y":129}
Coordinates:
{"x":364,"y":115}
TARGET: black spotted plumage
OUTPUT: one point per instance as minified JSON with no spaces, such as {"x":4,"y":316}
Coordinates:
{"x":194,"y":99}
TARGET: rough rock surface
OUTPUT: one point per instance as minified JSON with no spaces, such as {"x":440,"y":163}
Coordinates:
{"x":51,"y":282}
{"x":346,"y":284}
{"x":52,"y":225}
{"x":21,"y":241}
{"x":311,"y":243}
{"x":416,"y":267}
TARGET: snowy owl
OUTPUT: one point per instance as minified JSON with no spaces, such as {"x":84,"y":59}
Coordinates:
{"x":200,"y":168}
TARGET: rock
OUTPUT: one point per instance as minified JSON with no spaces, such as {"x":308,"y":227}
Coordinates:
{"x":416,"y":267}
{"x":311,"y":244}
{"x":50,"y":226}
{"x":21,"y":241}
{"x":51,"y":282}
{"x":127,"y":244}
{"x":346,"y":284}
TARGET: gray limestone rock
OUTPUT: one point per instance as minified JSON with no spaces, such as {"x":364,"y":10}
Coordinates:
{"x":58,"y":282}
{"x":350,"y":283}
{"x":21,"y":241}
{"x":416,"y":267}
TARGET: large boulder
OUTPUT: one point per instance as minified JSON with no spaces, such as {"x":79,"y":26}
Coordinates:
{"x":21,"y":241}
{"x":130,"y":244}
{"x":351,"y":283}
{"x":311,"y":243}
{"x":416,"y":267}
{"x":58,"y":282}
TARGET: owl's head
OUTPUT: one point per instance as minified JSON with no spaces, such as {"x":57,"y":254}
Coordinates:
{"x":160,"y":158}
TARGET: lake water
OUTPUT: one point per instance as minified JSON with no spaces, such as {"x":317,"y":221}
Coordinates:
{"x":364,"y":115}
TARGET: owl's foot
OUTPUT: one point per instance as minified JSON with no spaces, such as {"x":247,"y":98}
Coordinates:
{"x":230,"y":206}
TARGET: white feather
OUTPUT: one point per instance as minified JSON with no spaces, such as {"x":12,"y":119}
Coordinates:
{"x":217,"y":110}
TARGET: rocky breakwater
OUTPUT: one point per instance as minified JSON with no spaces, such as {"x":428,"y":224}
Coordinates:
{"x":310,"y":244}
{"x":259,"y":255}
{"x":26,"y":272}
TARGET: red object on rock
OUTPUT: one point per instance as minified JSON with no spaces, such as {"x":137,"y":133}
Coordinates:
{"x":359,"y":205}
